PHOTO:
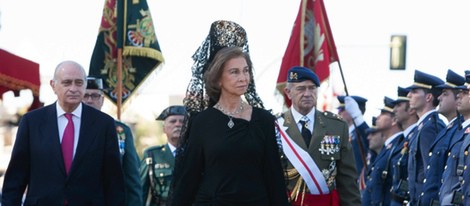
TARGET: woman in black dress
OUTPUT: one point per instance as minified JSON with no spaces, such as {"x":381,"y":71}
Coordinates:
{"x":230,"y":156}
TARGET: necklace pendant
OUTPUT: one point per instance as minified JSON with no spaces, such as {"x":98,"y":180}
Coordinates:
{"x":230,"y":123}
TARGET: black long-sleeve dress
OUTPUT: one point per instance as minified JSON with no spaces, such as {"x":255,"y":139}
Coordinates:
{"x":230,"y":166}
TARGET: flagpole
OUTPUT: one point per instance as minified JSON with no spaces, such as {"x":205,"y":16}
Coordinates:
{"x":119,"y":83}
{"x":358,"y":136}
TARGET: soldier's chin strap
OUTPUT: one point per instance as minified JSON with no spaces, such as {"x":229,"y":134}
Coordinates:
{"x":151,"y":172}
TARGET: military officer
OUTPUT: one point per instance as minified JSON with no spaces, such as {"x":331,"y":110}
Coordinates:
{"x":423,"y":97}
{"x":439,"y":149}
{"x":453,"y":177}
{"x":406,"y":117}
{"x":321,"y":141}
{"x":158,"y":162}
{"x":352,"y":109}
{"x":379,"y":175}
{"x":129,"y":158}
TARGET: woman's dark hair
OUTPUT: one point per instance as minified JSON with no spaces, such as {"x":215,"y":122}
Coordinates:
{"x":216,"y":68}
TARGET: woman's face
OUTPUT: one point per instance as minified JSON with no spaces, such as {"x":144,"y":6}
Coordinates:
{"x":235,"y":77}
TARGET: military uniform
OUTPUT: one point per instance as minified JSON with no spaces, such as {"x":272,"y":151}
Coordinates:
{"x":399,"y":192}
{"x":156,"y":171}
{"x":451,"y":187}
{"x":435,"y":168}
{"x":380,"y":173}
{"x":439,"y":149}
{"x":429,"y":126}
{"x":332,"y":153}
{"x":129,"y":158}
{"x":359,"y":128}
{"x":130,"y":165}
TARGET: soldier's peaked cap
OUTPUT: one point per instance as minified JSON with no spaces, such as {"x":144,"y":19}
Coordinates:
{"x":453,"y":80}
{"x":425,"y":81}
{"x":172,"y":110}
{"x":94,"y":83}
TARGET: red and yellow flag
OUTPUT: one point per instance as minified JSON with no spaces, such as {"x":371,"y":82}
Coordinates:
{"x":311,"y":44}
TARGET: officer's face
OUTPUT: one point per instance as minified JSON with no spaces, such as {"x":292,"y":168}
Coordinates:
{"x":376,"y":141}
{"x":172,"y":128}
{"x":401,"y":111}
{"x":384,"y":121}
{"x":94,"y":98}
{"x":463,"y":103}
{"x":418,"y":98}
{"x":447,"y":102}
{"x":303,"y":95}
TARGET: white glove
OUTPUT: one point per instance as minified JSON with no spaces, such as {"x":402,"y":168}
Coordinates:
{"x":351,"y":106}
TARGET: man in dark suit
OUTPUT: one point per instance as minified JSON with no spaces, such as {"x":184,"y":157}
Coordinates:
{"x":320,"y":161}
{"x":156,"y":169}
{"x":65,"y":153}
{"x":129,"y":158}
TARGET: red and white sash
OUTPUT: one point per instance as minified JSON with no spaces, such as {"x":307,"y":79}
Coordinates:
{"x":302,"y":162}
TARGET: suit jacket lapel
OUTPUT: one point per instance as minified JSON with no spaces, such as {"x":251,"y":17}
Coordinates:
{"x":293,"y":131}
{"x":51,"y":131}
{"x":85,"y":138}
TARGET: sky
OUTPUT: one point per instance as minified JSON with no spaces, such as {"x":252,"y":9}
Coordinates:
{"x":50,"y":31}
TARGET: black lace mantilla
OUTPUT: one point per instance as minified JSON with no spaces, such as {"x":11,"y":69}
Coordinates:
{"x":222,"y":34}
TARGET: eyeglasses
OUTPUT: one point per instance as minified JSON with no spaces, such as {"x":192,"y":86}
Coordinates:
{"x":94,"y":96}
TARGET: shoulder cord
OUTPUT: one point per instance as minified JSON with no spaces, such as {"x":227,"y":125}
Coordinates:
{"x":151,"y":172}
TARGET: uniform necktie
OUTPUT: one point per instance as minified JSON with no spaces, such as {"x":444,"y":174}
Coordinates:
{"x":67,"y":142}
{"x":306,"y":133}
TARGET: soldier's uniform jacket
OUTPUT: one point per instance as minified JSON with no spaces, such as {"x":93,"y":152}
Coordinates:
{"x":429,"y":127}
{"x":450,"y":177}
{"x":338,"y":167}
{"x":399,"y":191}
{"x":130,"y":164}
{"x":437,"y":157}
{"x":162,"y":162}
{"x":380,"y":173}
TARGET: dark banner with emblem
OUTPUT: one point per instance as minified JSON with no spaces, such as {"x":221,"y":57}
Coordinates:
{"x":125,"y":24}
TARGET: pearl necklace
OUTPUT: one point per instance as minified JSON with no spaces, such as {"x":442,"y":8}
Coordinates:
{"x":230,"y":115}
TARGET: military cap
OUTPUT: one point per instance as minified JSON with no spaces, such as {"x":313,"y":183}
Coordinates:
{"x":453,"y":80}
{"x":172,"y":110}
{"x":300,"y":74}
{"x":94,"y":83}
{"x":361,"y":101}
{"x":402,"y":95}
{"x":467,"y":81}
{"x":425,"y":81}
{"x":389,"y":103}
{"x":373,"y":128}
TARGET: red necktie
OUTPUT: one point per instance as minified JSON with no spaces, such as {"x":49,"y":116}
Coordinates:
{"x":67,"y":142}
